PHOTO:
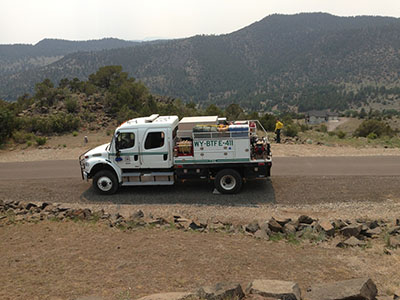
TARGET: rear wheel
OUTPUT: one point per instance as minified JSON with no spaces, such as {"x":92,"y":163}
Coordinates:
{"x":228,"y":181}
{"x":105,"y":182}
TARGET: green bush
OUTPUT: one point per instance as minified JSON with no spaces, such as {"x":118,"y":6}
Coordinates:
{"x":71,"y":105}
{"x":74,"y":133}
{"x":291,"y":130}
{"x":379,"y":128}
{"x":21,"y":137}
{"x":323,"y":128}
{"x":372,"y":136}
{"x":340,"y":134}
{"x":58,"y":123}
{"x":41,"y":140}
{"x":8,"y":121}
{"x":304,"y":127}
{"x":331,"y":133}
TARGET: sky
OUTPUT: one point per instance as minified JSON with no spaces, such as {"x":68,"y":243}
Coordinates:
{"x":29,"y":21}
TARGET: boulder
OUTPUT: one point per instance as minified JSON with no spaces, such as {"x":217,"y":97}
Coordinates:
{"x":261,"y":234}
{"x":351,"y":242}
{"x":372,"y":233}
{"x":221,"y":291}
{"x":265,"y":227}
{"x":136,"y":215}
{"x":305,"y":219}
{"x":355,"y":289}
{"x":274,"y":226}
{"x":252,"y":227}
{"x":339,"y":224}
{"x":394,"y":230}
{"x":289,"y":228}
{"x":327,"y":227}
{"x":167,"y":296}
{"x":394,"y":241}
{"x":351,"y":230}
{"x":278,"y":289}
{"x":282,"y":221}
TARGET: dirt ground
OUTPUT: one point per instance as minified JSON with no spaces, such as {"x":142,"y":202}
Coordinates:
{"x":52,"y":260}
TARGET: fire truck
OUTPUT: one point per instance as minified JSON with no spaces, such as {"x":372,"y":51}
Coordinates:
{"x":161,"y":150}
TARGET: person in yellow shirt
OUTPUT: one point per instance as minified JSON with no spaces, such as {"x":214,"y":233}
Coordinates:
{"x":278,"y":127}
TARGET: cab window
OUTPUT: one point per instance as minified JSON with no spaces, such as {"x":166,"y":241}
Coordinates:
{"x":154,"y":140}
{"x":126,"y":140}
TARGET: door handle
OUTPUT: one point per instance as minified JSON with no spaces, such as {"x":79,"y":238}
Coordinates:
{"x":165,"y":156}
{"x":136,"y":157}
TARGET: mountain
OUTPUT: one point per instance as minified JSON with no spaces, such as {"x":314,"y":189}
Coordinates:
{"x":22,"y":57}
{"x":303,"y":61}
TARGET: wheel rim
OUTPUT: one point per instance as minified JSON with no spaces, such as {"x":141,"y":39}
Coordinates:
{"x":228,"y":182}
{"x":104,"y":184}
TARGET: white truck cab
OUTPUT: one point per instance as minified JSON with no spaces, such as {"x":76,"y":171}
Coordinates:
{"x":157,"y":150}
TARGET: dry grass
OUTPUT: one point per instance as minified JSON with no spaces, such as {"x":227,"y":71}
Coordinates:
{"x":53,"y":260}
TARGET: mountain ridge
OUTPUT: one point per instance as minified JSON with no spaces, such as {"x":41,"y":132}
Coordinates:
{"x":279,"y":61}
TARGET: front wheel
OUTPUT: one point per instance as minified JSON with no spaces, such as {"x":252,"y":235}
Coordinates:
{"x":228,"y":181}
{"x":105,"y":182}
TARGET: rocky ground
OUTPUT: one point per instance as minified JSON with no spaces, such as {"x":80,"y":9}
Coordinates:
{"x":58,"y":252}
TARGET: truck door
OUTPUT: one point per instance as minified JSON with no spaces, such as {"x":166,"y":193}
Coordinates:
{"x":128,"y":146}
{"x":155,"y":149}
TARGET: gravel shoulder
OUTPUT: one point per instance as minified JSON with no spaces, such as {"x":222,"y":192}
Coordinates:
{"x":278,"y":150}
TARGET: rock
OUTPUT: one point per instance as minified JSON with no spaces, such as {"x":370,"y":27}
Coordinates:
{"x":167,"y":296}
{"x":351,"y":242}
{"x":326,"y":227}
{"x":158,"y":221}
{"x":397,"y":222}
{"x":216,"y":226}
{"x":372,"y":233}
{"x":339,"y":224}
{"x":261,"y":234}
{"x":221,"y":291}
{"x":355,"y":289}
{"x":384,"y":298}
{"x":136,"y":215}
{"x":282,"y":221}
{"x":351,"y":230}
{"x":265,"y":227}
{"x":372,"y":224}
{"x":305,"y":219}
{"x":394,"y":241}
{"x":252,"y":227}
{"x":29,"y":205}
{"x":197,"y":226}
{"x":278,"y":289}
{"x":394,"y":230}
{"x":289,"y":229}
{"x":274,"y":226}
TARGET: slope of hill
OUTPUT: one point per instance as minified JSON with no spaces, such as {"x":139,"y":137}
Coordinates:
{"x":304,"y":61}
{"x":22,"y":57}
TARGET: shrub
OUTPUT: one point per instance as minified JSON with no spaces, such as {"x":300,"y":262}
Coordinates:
{"x":379,"y":128}
{"x":7,"y":121}
{"x":291,"y":130}
{"x":323,"y":128}
{"x":58,"y":123}
{"x":304,"y":127}
{"x":372,"y":136}
{"x":21,"y":137}
{"x":331,"y":133}
{"x":75,"y":133}
{"x":71,"y":105}
{"x":341,"y":134}
{"x":41,"y":140}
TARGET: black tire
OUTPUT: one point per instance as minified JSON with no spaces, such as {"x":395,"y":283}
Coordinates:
{"x":228,"y":181}
{"x":105,"y":182}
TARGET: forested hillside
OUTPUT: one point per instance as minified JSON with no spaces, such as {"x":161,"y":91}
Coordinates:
{"x":22,"y":57}
{"x":304,"y":61}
